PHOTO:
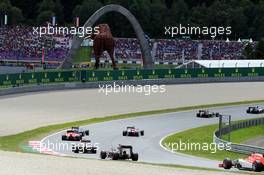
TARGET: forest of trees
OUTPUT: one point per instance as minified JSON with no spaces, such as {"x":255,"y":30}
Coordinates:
{"x":246,"y":17}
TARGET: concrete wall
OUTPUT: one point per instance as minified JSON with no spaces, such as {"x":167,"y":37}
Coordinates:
{"x":79,"y":85}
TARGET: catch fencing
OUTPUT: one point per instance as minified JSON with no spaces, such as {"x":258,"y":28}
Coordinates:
{"x":240,"y":148}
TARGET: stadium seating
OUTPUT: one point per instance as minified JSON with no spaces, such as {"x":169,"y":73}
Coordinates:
{"x":20,"y":44}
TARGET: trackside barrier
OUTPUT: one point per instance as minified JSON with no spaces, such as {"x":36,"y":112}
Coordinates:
{"x":82,"y":75}
{"x":240,"y":148}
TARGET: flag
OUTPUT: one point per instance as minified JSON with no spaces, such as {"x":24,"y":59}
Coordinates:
{"x":5,"y":19}
{"x":43,"y":55}
{"x":77,"y":21}
{"x":54,"y":20}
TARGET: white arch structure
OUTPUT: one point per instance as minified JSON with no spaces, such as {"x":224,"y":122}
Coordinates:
{"x":76,"y":42}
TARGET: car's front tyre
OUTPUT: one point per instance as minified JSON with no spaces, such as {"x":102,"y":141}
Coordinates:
{"x":239,"y":166}
{"x":64,"y":137}
{"x":103,"y":155}
{"x":134,"y":157}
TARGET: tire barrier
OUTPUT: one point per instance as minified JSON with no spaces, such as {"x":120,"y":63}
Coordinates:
{"x":83,"y":75}
{"x":240,"y":148}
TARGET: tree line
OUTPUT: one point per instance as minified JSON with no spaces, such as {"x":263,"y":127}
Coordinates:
{"x":250,"y":52}
{"x":246,"y":17}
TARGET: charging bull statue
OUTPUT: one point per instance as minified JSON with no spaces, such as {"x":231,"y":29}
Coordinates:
{"x":103,"y":41}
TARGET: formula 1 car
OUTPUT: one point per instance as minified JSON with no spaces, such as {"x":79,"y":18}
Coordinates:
{"x":123,"y":152}
{"x":84,"y":146}
{"x":74,"y":134}
{"x":206,"y":114}
{"x":255,"y":110}
{"x":132,"y":131}
{"x":254,"y":162}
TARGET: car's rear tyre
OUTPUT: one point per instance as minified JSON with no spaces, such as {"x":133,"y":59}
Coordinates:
{"x":142,"y":133}
{"x":76,"y":151}
{"x":227,"y":163}
{"x":257,"y":166}
{"x":134,"y":157}
{"x":87,"y":132}
{"x":103,"y":155}
{"x":115,"y":156}
{"x":124,"y":133}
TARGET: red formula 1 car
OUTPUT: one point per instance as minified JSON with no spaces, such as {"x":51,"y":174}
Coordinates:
{"x":254,"y":162}
{"x":132,"y":131}
{"x":74,"y":134}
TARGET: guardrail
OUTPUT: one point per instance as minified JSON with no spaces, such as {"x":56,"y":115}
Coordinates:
{"x":66,"y":76}
{"x":240,"y":148}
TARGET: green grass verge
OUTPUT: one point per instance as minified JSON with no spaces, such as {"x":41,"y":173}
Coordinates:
{"x":242,"y":135}
{"x":84,"y":55}
{"x":14,"y":142}
{"x":204,"y":135}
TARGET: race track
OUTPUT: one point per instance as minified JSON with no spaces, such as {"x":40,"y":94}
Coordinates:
{"x":34,"y":110}
{"x":156,"y":127}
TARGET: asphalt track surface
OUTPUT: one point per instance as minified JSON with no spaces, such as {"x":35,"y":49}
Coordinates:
{"x":156,"y":127}
{"x":34,"y":110}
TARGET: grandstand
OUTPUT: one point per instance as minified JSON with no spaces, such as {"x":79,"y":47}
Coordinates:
{"x":20,"y":45}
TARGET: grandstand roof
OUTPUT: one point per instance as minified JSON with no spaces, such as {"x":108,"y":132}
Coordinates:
{"x":228,"y":63}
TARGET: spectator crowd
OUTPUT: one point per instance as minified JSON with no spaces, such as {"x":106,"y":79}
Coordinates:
{"x":19,"y":43}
